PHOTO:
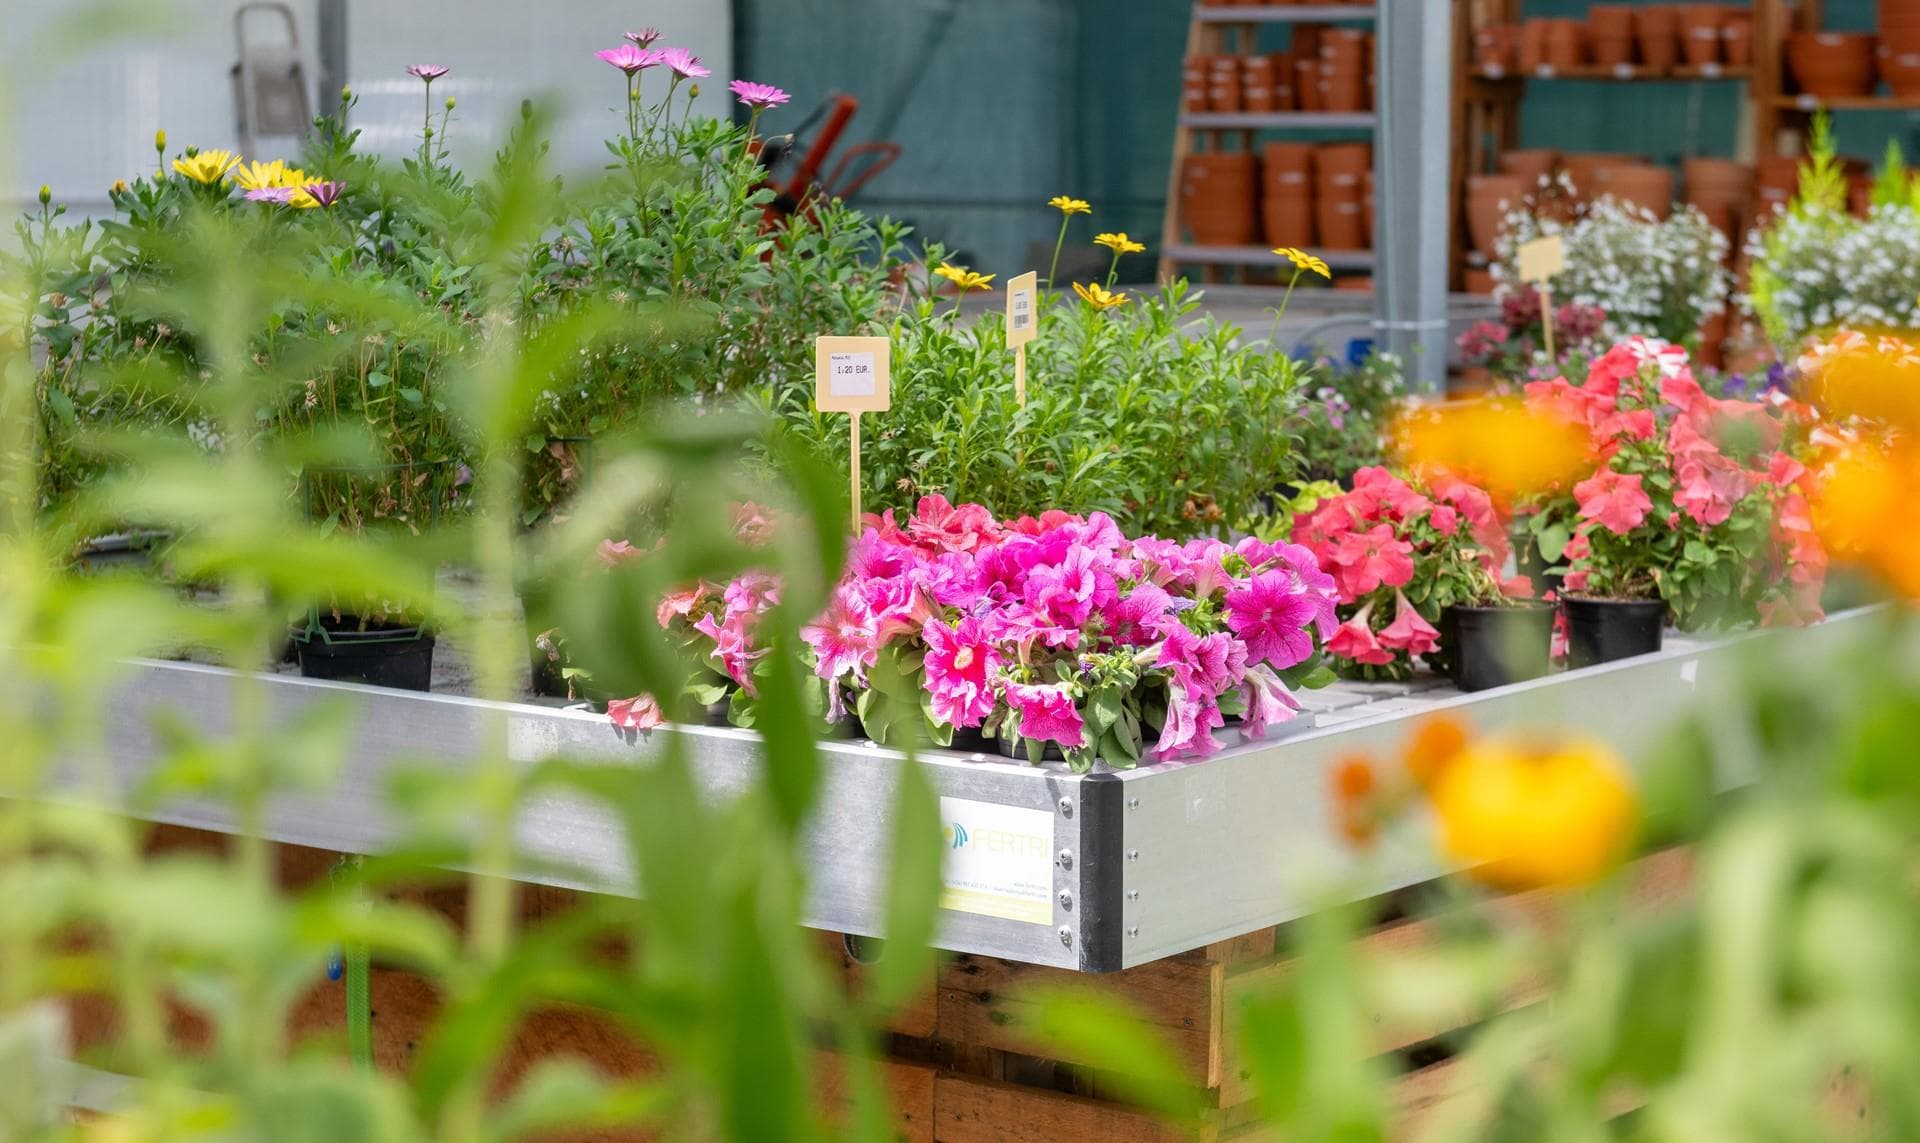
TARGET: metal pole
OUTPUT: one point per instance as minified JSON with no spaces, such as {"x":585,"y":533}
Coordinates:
{"x":331,"y":21}
{"x":1410,"y":164}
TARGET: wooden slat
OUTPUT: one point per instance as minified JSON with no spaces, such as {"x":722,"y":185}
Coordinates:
{"x":968,"y":1110}
{"x":917,"y":1015}
{"x":981,"y":1003}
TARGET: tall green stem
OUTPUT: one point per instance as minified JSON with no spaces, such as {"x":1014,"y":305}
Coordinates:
{"x":1273,"y":337}
{"x":1053,"y":267}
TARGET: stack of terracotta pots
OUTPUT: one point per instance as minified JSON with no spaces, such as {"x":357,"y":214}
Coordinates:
{"x":1490,"y":198}
{"x":1256,"y":77}
{"x":1656,"y":33}
{"x":1643,"y":184}
{"x":1776,"y":180}
{"x":1553,"y":44}
{"x":1286,"y":194}
{"x":1736,"y":36}
{"x":1307,"y":68}
{"x":1531,"y":167}
{"x":1496,"y":48}
{"x":1217,"y":195}
{"x":1344,"y":56}
{"x":1720,"y":189}
{"x":1899,"y":49}
{"x":1612,"y":29}
{"x":1339,"y":192}
{"x":1832,"y":65}
{"x":1700,"y":26}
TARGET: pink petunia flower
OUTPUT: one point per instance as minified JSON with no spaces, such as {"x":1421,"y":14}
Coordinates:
{"x":761,"y":96}
{"x":1613,"y":500}
{"x":1365,"y":560}
{"x":613,"y":553}
{"x":1355,"y":640}
{"x":631,"y":59}
{"x":640,"y":712}
{"x":684,"y":63}
{"x":1272,"y":614}
{"x":961,"y":665}
{"x":1192,"y":717}
{"x":1047,"y":714}
{"x":1409,"y":631}
{"x":842,"y":639}
{"x":1268,"y":701}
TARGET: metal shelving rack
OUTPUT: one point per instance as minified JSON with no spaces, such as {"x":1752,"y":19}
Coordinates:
{"x":1411,"y":141}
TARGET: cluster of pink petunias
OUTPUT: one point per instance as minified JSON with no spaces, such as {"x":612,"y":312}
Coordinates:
{"x":1372,"y":541}
{"x":1675,"y":459}
{"x":1018,"y":617}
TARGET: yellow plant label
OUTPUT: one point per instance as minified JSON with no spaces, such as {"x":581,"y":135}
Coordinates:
{"x":1542,"y":258}
{"x":1023,"y":308}
{"x":851,"y":374}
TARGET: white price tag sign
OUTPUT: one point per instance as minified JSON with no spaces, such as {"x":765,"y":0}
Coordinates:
{"x":1023,"y":312}
{"x":851,"y":374}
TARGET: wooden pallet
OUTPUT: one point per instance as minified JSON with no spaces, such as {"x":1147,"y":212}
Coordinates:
{"x":960,"y":1066}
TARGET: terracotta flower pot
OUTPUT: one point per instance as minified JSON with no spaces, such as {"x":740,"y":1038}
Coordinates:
{"x":1531,"y":54}
{"x":1860,"y":195}
{"x":1530,"y":167}
{"x":1340,"y":222}
{"x":1343,"y":85}
{"x":1224,"y":97}
{"x":1496,"y":48}
{"x":1287,"y":220}
{"x":1610,"y":20}
{"x":1902,"y":73}
{"x":1832,"y":65}
{"x":1306,"y":83}
{"x":1342,"y":164}
{"x":1645,"y":186}
{"x":1700,"y":33}
{"x":1583,"y":169}
{"x":1287,"y":167}
{"x":1355,"y":283}
{"x":1566,"y":44}
{"x":1613,"y":51}
{"x":1736,"y":39}
{"x":1489,"y":199}
{"x":1713,"y":339}
{"x":1656,"y":29}
{"x":1193,"y":99}
{"x":1217,"y":195}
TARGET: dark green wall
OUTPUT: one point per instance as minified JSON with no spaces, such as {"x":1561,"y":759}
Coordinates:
{"x":1001,"y":104}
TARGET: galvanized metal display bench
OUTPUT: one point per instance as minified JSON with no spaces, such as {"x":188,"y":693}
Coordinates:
{"x":1094,"y":872}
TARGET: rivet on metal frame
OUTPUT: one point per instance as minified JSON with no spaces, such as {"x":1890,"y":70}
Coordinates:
{"x":1133,"y":855}
{"x":1066,"y":936}
{"x":1066,"y":807}
{"x":1066,"y":859}
{"x":1066,"y":899}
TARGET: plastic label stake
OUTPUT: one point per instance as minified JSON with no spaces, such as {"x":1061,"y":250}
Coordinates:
{"x":851,"y":375}
{"x":1023,"y":325}
{"x":1538,"y":261}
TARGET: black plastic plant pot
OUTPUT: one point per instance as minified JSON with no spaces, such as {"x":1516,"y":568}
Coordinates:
{"x":1013,"y":746}
{"x":1494,"y":646}
{"x":1602,"y":630}
{"x":397,"y":657}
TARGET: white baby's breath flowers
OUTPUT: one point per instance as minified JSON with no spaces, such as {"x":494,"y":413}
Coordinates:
{"x":1649,"y":275}
{"x":1817,"y":270}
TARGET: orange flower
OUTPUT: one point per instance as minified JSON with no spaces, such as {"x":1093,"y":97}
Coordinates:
{"x":1436,"y":742}
{"x":1500,"y":444}
{"x":1355,"y":806}
{"x":1875,"y":378}
{"x":1526,"y":815}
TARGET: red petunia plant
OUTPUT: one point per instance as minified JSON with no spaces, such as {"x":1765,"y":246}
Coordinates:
{"x":1696,"y":500}
{"x":1400,"y":553}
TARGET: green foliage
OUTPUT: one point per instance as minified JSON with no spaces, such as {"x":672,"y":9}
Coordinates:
{"x":1341,"y":425}
{"x":1144,"y":412}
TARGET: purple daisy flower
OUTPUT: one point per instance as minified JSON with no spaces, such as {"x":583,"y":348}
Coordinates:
{"x":629,"y":59}
{"x":326,"y":192}
{"x":684,"y":63}
{"x":758,"y":96}
{"x":644,"y":37}
{"x":428,"y":72}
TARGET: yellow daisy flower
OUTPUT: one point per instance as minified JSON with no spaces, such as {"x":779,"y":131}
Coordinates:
{"x":258,"y":175}
{"x":206,"y":166}
{"x":1304,"y":261}
{"x":964,"y":278}
{"x":1066,"y":205}
{"x":1098,"y":296}
{"x":1118,"y":243}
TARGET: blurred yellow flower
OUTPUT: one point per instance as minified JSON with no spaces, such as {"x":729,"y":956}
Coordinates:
{"x":259,"y":176}
{"x":1876,"y":378}
{"x":964,"y":278}
{"x":1118,"y":243}
{"x":1863,"y":511}
{"x":1067,"y":205}
{"x":1498,"y":444}
{"x":206,"y":166}
{"x":1304,"y":261}
{"x":1527,"y":815}
{"x":1099,"y":297}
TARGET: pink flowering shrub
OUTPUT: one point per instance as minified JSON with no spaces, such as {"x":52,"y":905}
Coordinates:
{"x":1060,"y":630}
{"x":1400,"y":554}
{"x":1698,"y":500}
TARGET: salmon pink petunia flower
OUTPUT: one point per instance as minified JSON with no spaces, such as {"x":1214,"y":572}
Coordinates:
{"x":1613,"y":500}
{"x":1409,"y":631}
{"x":640,"y":712}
